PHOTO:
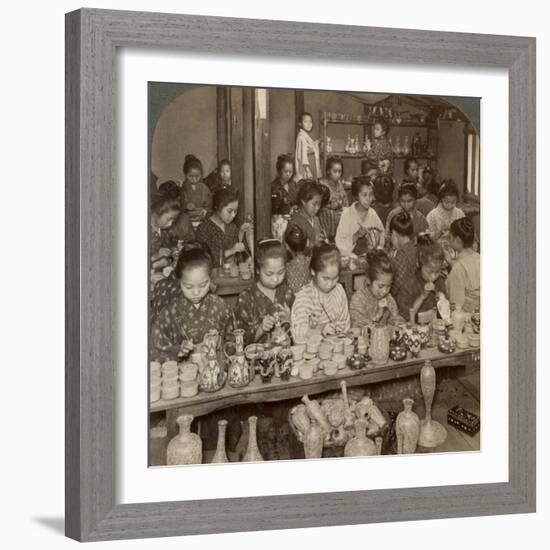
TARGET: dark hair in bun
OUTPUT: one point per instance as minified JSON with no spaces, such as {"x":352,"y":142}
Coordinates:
{"x":464,"y":230}
{"x":296,"y":238}
{"x":191,"y":162}
{"x":323,"y":255}
{"x":193,"y":254}
{"x":378,"y":263}
{"x":428,"y":250}
{"x":267,"y":249}
{"x":402,"y":224}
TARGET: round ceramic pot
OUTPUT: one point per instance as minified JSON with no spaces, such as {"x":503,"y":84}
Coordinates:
{"x":473,"y":340}
{"x":338,"y":346}
{"x":330,"y":368}
{"x":298,"y":351}
{"x":315,"y":364}
{"x":462,"y":341}
{"x":306,"y":370}
{"x":340,"y":361}
{"x":308,"y":356}
{"x":189,"y":388}
{"x":170,"y":392}
{"x":169,"y":369}
{"x":325,"y":351}
{"x":188,"y":371}
{"x":155,"y":394}
{"x":155,"y":368}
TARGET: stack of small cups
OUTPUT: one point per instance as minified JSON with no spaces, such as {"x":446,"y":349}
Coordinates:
{"x":189,"y":385}
{"x":155,"y":381}
{"x":170,"y":382}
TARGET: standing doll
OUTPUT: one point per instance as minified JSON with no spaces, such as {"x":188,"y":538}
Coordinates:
{"x":284,"y":190}
{"x":463,"y":282}
{"x":218,"y":232}
{"x":184,"y":322}
{"x":307,"y":156}
{"x":321,"y":307}
{"x":261,"y":305}
{"x":373,"y":303}
{"x":359,"y":221}
{"x":445,"y":213}
{"x":420,"y":293}
{"x":196,"y":195}
{"x":329,"y":215}
{"x":306,"y":218}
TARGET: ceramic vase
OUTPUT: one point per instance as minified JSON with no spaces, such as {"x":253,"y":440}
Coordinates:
{"x":186,"y":447}
{"x":238,"y":373}
{"x":220,"y":456}
{"x":212,"y":376}
{"x":407,"y":428}
{"x":360,"y":444}
{"x":380,"y":345}
{"x":348,"y":415}
{"x":252,"y":452}
{"x":313,"y":441}
{"x":432,"y":433}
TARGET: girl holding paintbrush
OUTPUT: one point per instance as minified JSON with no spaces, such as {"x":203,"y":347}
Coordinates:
{"x":219,"y":232}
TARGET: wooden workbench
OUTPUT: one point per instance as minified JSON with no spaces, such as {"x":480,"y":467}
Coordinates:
{"x":277,"y":390}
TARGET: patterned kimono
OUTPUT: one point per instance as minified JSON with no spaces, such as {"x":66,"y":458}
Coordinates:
{"x":408,"y":293}
{"x":311,"y":227}
{"x":197,"y":197}
{"x":365,"y":309}
{"x":313,"y":309}
{"x":253,"y":305}
{"x":404,"y":267}
{"x":182,"y":320}
{"x":381,"y":149}
{"x":329,"y":215}
{"x":217,"y":240}
{"x":307,"y":154}
{"x":164,"y":293}
{"x":419,"y":221}
{"x":162,"y":238}
{"x":283,"y":199}
{"x":298,"y":273}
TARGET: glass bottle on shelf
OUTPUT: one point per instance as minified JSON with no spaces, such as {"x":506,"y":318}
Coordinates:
{"x":406,"y":148}
{"x":357,"y":146}
{"x":328,"y":145}
{"x":397,"y":147}
{"x":347,"y":148}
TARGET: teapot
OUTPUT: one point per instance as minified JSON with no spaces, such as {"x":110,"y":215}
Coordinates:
{"x":280,"y":335}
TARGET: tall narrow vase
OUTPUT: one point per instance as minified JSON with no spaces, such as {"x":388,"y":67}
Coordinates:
{"x":220,"y":456}
{"x":407,"y":428}
{"x":186,"y":447}
{"x":432,"y":433}
{"x":252,"y":452}
{"x":313,"y":441}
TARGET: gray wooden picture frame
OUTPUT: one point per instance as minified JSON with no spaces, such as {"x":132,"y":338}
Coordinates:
{"x":92,"y":39}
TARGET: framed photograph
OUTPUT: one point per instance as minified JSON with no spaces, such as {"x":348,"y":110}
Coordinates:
{"x":280,"y":261}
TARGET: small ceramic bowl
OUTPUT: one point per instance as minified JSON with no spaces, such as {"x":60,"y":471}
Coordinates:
{"x":298,"y":351}
{"x":306,"y":370}
{"x":308,"y":356}
{"x":169,"y":368}
{"x":338,"y":345}
{"x":155,"y":395}
{"x":325,"y":351}
{"x":155,"y":368}
{"x":315,"y":362}
{"x":170,"y":392}
{"x":188,"y":371}
{"x":253,"y":351}
{"x":189,"y":388}
{"x":330,"y":368}
{"x":170,"y":382}
{"x":462,"y":341}
{"x":473,"y":340}
{"x":340,"y":361}
{"x":155,"y":386}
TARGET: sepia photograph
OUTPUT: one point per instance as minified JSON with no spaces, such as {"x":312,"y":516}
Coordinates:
{"x":314,"y":261}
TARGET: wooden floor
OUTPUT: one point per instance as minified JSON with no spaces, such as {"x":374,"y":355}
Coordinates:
{"x":277,"y":443}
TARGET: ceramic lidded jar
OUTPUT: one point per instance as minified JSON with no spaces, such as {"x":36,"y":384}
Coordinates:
{"x":407,"y":428}
{"x":186,"y":447}
{"x":360,"y":444}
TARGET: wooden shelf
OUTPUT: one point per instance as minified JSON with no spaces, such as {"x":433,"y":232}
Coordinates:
{"x":362,"y":156}
{"x":403,"y":124}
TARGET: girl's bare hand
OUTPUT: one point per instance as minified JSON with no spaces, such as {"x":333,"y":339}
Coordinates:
{"x":268,"y":323}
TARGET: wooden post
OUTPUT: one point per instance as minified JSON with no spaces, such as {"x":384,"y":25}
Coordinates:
{"x":262,"y":184}
{"x":236,"y":134}
{"x":222,"y":110}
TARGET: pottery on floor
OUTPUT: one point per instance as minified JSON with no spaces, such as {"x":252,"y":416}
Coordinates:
{"x":186,"y":447}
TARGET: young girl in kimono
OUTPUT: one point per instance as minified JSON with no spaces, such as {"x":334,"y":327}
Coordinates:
{"x":259,"y":306}
{"x":219,"y":233}
{"x":306,"y":218}
{"x":221,"y":177}
{"x":420,"y":294}
{"x":284,"y":190}
{"x":463,"y":282}
{"x":307,"y":155}
{"x":196,"y":195}
{"x":380,"y":147}
{"x":445,"y":213}
{"x":321,"y":307}
{"x":358,"y":219}
{"x":373,"y":303}
{"x":329,"y":215}
{"x":164,"y":211}
{"x":184,"y":322}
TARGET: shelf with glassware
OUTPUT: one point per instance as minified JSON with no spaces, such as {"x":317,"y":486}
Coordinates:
{"x":424,"y":148}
